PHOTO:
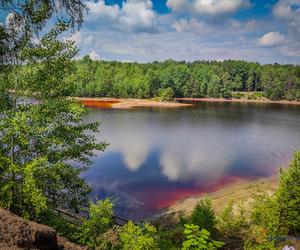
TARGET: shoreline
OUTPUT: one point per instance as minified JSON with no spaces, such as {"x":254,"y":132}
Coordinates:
{"x":123,"y":103}
{"x":238,"y":191}
{"x":236,"y":100}
{"x":131,"y":103}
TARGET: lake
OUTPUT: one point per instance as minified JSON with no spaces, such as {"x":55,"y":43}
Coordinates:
{"x":157,"y":156}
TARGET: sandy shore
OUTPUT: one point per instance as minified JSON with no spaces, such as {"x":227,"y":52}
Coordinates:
{"x":241,"y":190}
{"x":242,"y":100}
{"x":122,"y":103}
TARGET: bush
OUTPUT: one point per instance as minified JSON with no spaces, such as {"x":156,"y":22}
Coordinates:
{"x":100,"y":220}
{"x":199,"y":239}
{"x":232,"y":224}
{"x":134,"y":237}
{"x":166,"y":94}
{"x":237,"y":95}
{"x":203,"y":215}
{"x":263,"y":223}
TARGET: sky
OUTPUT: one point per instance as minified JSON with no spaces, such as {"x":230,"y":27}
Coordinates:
{"x":157,"y":30}
{"x":266,"y":31}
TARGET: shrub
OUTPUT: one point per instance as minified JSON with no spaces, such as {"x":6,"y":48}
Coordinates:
{"x":232,"y":224}
{"x":237,"y":95}
{"x":199,"y":239}
{"x":203,"y":215}
{"x":166,"y":94}
{"x":100,"y":220}
{"x":134,"y":237}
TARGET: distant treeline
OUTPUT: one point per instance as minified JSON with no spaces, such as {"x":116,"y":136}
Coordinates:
{"x":170,"y":79}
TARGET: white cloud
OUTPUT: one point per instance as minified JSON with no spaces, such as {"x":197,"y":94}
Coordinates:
{"x":14,"y":22}
{"x":99,"y":10}
{"x":76,"y":37}
{"x":136,"y":15}
{"x":293,"y":50}
{"x":242,"y":26}
{"x":9,"y":18}
{"x":217,"y":7}
{"x":179,"y":5}
{"x":289,"y":10}
{"x":184,"y":37}
{"x":188,"y":25}
{"x":272,"y":39}
{"x":208,"y":7}
{"x":94,"y":55}
{"x":235,"y":23}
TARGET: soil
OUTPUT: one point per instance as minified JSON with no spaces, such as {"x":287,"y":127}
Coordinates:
{"x":18,"y":233}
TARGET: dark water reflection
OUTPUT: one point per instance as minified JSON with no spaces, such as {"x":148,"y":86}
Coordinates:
{"x":157,"y":156}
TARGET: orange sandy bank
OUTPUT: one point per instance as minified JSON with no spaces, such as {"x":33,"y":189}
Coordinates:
{"x":242,"y":100}
{"x":127,"y":103}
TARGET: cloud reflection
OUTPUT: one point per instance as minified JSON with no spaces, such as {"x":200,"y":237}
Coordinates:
{"x":194,"y":148}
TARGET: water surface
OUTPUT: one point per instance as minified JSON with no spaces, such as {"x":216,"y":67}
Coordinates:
{"x":158,"y":156}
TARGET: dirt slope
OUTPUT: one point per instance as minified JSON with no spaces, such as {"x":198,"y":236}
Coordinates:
{"x":17,"y":233}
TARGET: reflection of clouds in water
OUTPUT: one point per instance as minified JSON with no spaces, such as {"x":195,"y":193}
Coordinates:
{"x":135,"y":143}
{"x":183,"y":156}
{"x":134,"y":153}
{"x":195,"y":161}
{"x":192,"y":149}
{"x":170,"y":166}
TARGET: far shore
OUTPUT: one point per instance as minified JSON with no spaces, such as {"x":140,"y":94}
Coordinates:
{"x":242,"y":100}
{"x":123,"y":103}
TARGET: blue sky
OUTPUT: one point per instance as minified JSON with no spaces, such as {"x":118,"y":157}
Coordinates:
{"x":266,"y":31}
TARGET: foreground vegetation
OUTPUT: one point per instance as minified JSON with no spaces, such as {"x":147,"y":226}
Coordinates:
{"x":170,"y":79}
{"x":268,"y":222}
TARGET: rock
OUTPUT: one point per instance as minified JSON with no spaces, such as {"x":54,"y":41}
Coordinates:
{"x":18,"y":233}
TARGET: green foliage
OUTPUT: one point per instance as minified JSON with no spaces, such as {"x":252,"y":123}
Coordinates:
{"x":63,"y":226}
{"x":197,"y":79}
{"x":288,"y":198}
{"x":267,"y":245}
{"x":33,"y":194}
{"x":170,"y":237}
{"x":42,"y":132}
{"x":100,"y":220}
{"x":233,"y":223}
{"x":203,"y":215}
{"x":199,"y":239}
{"x":134,"y":237}
{"x":278,"y":215}
{"x":166,"y":94}
{"x":264,"y":213}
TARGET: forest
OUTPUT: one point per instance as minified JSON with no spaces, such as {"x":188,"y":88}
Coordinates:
{"x":170,"y":79}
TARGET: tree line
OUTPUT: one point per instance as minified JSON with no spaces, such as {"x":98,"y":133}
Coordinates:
{"x":170,"y":79}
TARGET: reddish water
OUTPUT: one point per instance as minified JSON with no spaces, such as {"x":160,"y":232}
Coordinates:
{"x":98,"y":104}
